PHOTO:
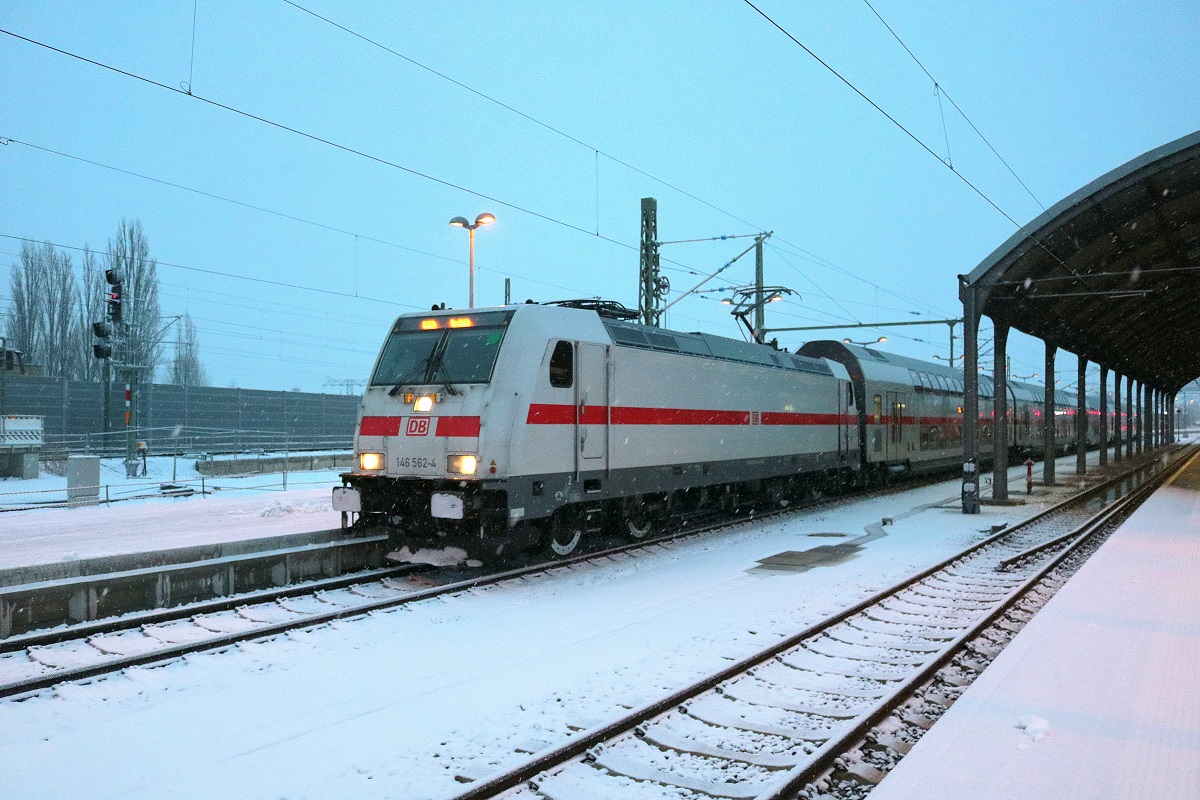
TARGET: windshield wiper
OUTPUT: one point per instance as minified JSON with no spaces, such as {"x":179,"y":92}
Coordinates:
{"x":405,"y":379}
{"x":439,"y":368}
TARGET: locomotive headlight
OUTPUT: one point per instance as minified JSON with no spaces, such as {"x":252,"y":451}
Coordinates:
{"x":369,"y":462}
{"x":462,"y":465}
{"x":423,"y":404}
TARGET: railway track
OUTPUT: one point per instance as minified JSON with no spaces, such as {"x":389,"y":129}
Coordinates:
{"x":33,"y":661}
{"x":36,"y":661}
{"x":830,"y":709}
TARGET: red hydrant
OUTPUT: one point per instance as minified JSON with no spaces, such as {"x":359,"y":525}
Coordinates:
{"x":1029,"y":476}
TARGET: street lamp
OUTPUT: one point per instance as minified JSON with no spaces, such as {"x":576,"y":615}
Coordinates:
{"x":461,"y":222}
{"x":1026,"y":377}
{"x":880,"y":340}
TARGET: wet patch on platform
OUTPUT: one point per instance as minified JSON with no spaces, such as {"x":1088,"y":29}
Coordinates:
{"x":827,"y":555}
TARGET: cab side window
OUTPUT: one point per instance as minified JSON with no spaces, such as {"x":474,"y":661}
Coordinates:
{"x":562,"y":365}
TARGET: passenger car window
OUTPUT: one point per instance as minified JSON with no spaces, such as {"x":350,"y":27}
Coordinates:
{"x":878,"y":409}
{"x":562,"y":365}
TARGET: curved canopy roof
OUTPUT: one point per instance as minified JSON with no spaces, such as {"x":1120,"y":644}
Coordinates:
{"x":1112,"y":272}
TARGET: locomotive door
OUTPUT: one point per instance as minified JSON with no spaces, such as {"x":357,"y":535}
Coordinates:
{"x":591,"y":407}
{"x":895,"y":425}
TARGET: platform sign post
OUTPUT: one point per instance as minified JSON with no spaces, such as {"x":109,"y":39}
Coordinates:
{"x":1029,"y":476}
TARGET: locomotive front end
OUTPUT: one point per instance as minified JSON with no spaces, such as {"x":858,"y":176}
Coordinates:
{"x":428,"y":466}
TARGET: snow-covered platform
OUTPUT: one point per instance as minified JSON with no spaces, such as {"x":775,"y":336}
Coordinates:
{"x":233,"y":511}
{"x":1099,"y":695}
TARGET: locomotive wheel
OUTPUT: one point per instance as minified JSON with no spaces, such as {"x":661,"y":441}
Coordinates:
{"x":565,"y":534}
{"x":638,"y":523}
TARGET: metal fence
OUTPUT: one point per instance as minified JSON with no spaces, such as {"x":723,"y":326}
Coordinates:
{"x":182,"y":419}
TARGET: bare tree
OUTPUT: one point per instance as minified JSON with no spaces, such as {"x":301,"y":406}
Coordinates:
{"x":43,"y":320}
{"x":186,"y":369}
{"x":129,"y":255}
{"x":23,"y":316}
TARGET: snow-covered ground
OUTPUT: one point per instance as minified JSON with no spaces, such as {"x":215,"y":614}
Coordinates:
{"x":50,"y":489}
{"x":1099,"y":695}
{"x":232,"y":509}
{"x":401,"y":703}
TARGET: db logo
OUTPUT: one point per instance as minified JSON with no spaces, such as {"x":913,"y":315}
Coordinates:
{"x":417,"y":426}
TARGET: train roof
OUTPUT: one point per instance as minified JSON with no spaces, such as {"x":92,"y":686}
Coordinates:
{"x":632,"y":334}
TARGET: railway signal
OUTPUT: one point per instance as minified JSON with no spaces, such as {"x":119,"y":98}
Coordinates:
{"x":103,"y":332}
{"x":115,"y":295}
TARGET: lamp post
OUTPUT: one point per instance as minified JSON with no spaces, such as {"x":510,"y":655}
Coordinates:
{"x":461,"y":222}
{"x":880,"y":340}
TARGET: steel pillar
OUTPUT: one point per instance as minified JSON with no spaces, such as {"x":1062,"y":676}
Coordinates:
{"x":1135,"y":418}
{"x":1118,"y":422}
{"x":1081,"y":419}
{"x":760,"y":313}
{"x":1131,"y":401}
{"x":1146,"y":425}
{"x":649,"y":288}
{"x":1173,"y":416}
{"x":1154,"y":418}
{"x":1159,"y":435}
{"x":1158,"y":417}
{"x":1162,"y":418}
{"x":1104,"y":437}
{"x":1000,"y":411}
{"x":1048,"y":418}
{"x":970,"y":498}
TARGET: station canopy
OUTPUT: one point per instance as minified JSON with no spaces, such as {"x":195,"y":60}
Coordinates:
{"x":1112,"y":272}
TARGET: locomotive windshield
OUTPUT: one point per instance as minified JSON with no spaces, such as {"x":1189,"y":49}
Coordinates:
{"x":460,"y":349}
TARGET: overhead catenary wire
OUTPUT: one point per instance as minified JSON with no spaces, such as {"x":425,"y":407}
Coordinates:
{"x":943,"y":93}
{"x":205,"y":271}
{"x":285,"y":215}
{"x":596,"y":150}
{"x":967,"y":181}
{"x":529,"y":117}
{"x":320,"y":140}
{"x":386,"y":162}
{"x":367,"y":237}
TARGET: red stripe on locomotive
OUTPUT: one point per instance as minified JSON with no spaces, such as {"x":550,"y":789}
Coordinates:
{"x":380,"y":426}
{"x":457,"y":426}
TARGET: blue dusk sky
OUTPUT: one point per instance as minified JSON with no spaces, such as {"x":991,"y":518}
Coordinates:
{"x":378,"y":124}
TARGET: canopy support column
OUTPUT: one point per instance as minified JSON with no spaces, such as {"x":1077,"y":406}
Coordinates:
{"x":1146,"y":423}
{"x":1173,"y":415}
{"x":1081,"y":420}
{"x":1118,"y":422}
{"x":999,"y":410}
{"x":1156,"y":419}
{"x":1104,"y":437}
{"x":1131,"y":401}
{"x":970,"y":491}
{"x":1048,"y":418}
